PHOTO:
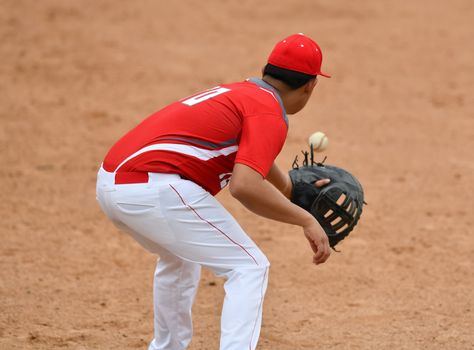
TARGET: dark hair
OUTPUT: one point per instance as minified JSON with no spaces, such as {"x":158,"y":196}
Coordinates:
{"x":291,"y":78}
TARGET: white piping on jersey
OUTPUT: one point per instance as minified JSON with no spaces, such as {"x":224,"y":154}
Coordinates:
{"x":270,"y":92}
{"x":200,"y":153}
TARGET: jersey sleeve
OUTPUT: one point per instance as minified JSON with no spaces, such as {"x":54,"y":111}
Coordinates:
{"x":261,"y":141}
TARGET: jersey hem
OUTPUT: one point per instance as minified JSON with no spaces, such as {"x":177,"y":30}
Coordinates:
{"x":252,"y":165}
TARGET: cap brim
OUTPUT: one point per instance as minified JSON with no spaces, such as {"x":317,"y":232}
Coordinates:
{"x":324,"y":75}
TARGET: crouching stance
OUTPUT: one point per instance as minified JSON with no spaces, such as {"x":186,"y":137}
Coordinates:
{"x":159,"y":180}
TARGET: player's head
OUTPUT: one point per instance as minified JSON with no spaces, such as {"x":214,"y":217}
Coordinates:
{"x":295,"y":61}
{"x":295,"y":64}
{"x":290,"y":77}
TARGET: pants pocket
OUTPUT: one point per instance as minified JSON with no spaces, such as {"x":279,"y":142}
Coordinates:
{"x":134,"y":209}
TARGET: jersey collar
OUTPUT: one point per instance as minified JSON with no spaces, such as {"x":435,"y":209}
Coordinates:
{"x":265,"y":85}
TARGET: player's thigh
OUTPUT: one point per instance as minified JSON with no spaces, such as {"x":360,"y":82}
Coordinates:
{"x":204,"y":231}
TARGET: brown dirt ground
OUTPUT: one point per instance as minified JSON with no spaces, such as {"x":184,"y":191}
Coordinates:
{"x":75,"y":75}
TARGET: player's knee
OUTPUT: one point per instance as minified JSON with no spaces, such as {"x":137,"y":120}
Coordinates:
{"x":251,"y":275}
{"x":262,"y":261}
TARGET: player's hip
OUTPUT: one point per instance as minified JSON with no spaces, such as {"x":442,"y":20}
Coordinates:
{"x":137,"y":193}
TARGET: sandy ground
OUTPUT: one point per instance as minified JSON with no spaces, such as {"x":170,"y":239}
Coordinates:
{"x":76,"y":75}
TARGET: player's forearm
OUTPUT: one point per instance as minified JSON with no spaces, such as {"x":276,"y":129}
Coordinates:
{"x":263,"y":199}
{"x":280,"y":180}
{"x":270,"y":203}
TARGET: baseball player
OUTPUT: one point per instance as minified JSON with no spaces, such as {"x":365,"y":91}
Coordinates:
{"x":159,"y":180}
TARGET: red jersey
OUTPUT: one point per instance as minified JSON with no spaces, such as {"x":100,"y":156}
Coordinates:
{"x":202,"y":136}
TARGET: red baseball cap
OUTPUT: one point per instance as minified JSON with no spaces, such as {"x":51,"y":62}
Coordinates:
{"x":299,"y":53}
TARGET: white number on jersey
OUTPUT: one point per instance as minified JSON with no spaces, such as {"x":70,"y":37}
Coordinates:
{"x":206,"y":95}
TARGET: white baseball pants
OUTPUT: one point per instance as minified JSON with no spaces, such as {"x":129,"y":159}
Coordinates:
{"x":188,"y":228}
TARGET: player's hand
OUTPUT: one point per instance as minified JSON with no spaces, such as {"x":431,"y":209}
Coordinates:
{"x":318,"y":240}
{"x":322,"y":183}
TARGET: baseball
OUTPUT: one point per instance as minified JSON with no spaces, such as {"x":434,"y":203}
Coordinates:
{"x":319,"y":140}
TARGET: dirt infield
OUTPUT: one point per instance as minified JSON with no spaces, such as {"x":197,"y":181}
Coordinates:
{"x":75,"y":75}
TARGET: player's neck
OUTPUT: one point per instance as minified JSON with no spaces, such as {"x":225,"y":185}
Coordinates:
{"x":276,"y":84}
{"x":292,"y":99}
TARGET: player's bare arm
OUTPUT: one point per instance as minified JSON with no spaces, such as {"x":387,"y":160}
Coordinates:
{"x":281,"y":180}
{"x":265,"y":199}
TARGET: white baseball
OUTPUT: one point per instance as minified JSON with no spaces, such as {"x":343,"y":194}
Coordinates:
{"x":319,"y":140}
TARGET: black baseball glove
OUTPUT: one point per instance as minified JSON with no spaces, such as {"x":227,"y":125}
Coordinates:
{"x":337,"y":206}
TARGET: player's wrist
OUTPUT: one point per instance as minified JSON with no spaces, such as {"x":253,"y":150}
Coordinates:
{"x":307,"y":220}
